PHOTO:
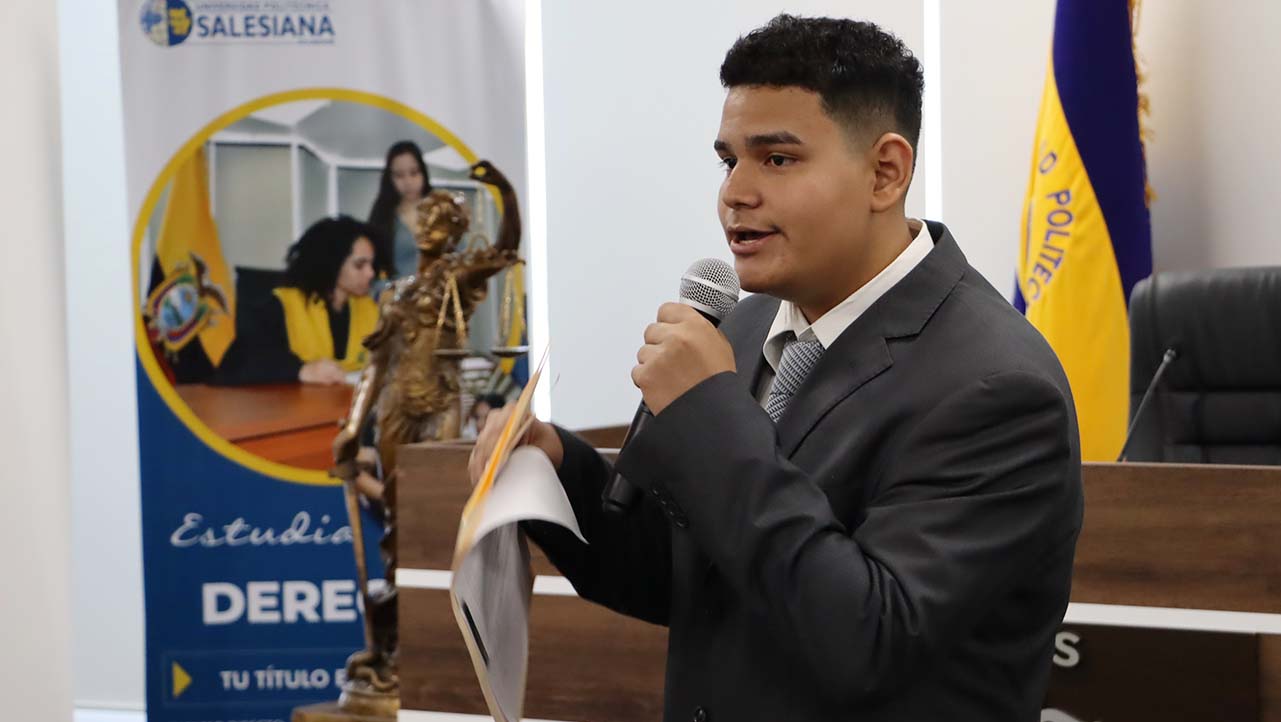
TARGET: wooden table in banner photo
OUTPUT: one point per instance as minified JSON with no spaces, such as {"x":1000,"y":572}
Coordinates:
{"x":290,"y":424}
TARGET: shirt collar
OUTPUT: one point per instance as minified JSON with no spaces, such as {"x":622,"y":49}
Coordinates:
{"x":833,"y":323}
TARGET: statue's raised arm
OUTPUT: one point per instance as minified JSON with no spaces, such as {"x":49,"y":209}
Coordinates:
{"x":509,"y":232}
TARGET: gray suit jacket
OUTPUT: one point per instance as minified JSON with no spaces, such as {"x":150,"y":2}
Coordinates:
{"x":898,"y":547}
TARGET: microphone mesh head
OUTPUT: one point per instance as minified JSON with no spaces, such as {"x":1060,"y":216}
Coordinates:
{"x":711,"y":286}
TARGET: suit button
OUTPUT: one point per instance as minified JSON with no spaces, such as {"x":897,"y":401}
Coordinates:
{"x":700,"y":714}
{"x":681,"y":521}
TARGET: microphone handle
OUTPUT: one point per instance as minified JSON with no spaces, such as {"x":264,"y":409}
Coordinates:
{"x":619,"y":494}
{"x":1170,"y":355}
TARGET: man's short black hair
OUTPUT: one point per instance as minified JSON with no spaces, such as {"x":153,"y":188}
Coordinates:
{"x":867,"y":78}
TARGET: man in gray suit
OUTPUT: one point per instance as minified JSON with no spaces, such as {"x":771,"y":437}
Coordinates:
{"x":863,"y":492}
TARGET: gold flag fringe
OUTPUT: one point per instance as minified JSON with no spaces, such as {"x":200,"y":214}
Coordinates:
{"x":1145,"y":106}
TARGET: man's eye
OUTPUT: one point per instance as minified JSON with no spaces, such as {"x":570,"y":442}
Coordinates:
{"x":778,"y":161}
{"x":728,"y":163}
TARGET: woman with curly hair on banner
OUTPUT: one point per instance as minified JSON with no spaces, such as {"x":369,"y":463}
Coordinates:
{"x":310,"y":329}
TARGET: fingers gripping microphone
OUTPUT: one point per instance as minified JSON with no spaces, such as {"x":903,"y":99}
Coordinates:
{"x":710,"y":286}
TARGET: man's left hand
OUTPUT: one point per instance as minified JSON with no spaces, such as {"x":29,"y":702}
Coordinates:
{"x":682,"y":349}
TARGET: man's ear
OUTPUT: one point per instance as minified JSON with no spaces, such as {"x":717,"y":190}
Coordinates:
{"x":891,"y":157}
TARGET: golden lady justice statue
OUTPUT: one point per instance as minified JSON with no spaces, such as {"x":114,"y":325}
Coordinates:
{"x":413,"y":380}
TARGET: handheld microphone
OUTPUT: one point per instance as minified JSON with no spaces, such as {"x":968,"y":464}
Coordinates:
{"x":1170,"y":355}
{"x":710,"y":286}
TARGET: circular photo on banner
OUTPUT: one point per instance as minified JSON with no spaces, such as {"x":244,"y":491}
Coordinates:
{"x":288,"y":199}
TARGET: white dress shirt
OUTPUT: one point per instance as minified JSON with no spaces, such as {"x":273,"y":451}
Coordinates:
{"x":833,"y":323}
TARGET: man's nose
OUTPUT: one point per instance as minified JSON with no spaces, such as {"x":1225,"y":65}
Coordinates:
{"x":740,"y":189}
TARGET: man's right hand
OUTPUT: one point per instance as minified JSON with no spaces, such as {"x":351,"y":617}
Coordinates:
{"x":540,"y":434}
{"x":322,"y":371}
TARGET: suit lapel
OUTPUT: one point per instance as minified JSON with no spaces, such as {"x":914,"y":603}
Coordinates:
{"x":853,"y":360}
{"x":750,"y":338}
{"x":861,"y":353}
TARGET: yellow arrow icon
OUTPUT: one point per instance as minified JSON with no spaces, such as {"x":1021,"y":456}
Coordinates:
{"x":181,"y":680}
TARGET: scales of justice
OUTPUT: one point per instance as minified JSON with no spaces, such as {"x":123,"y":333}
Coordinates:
{"x":411,"y":391}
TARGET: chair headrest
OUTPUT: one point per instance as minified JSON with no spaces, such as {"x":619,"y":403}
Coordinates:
{"x":1225,"y":324}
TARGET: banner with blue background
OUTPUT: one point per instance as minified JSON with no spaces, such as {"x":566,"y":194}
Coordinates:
{"x":246,"y":125}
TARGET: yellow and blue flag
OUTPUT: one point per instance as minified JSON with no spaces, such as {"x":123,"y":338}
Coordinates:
{"x":191,"y":296}
{"x":1086,"y":233}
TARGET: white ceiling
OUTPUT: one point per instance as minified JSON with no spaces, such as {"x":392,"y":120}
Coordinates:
{"x":344,"y":130}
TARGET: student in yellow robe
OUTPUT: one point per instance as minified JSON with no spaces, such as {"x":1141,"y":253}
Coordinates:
{"x":310,"y":329}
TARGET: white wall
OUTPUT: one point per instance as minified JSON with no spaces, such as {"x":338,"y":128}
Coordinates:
{"x":35,"y":609}
{"x":992,"y":72}
{"x":106,"y":528}
{"x":632,"y":101}
{"x":1213,"y":159}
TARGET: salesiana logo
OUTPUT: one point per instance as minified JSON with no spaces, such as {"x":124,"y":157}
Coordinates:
{"x":170,"y":22}
{"x":166,"y":22}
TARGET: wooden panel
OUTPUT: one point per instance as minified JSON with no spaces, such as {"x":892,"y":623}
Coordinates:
{"x":435,"y":670}
{"x":1165,"y":535}
{"x":306,"y":448}
{"x":1151,"y":675}
{"x":585,"y":662}
{"x":434,"y":487}
{"x":242,"y":412}
{"x":1270,"y":679}
{"x":605,"y":437}
{"x":1154,"y":535}
{"x":291,"y":424}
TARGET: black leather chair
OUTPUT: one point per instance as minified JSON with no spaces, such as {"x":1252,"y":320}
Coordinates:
{"x":253,"y":289}
{"x":1219,"y":401}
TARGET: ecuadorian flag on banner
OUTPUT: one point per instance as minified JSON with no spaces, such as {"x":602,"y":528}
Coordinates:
{"x":191,"y":296}
{"x":1086,"y":233}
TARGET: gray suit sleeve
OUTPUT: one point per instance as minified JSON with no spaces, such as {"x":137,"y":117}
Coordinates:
{"x":981,"y":493}
{"x":626,"y":564}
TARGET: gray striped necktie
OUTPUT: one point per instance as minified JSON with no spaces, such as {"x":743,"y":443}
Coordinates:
{"x":796,"y":363}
